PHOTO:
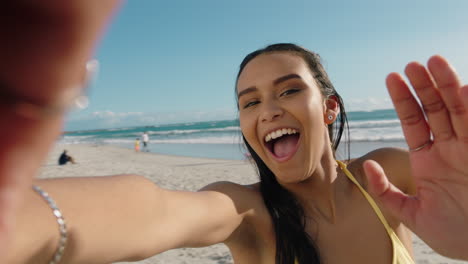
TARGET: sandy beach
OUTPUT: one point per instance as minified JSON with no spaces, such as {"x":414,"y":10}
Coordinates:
{"x":181,"y":173}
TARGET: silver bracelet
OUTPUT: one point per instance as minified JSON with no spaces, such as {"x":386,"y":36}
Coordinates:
{"x":61,"y":222}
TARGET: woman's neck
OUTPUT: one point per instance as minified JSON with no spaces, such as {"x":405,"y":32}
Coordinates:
{"x":318,"y":192}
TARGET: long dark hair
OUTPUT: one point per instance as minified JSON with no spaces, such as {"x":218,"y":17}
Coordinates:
{"x":292,"y":242}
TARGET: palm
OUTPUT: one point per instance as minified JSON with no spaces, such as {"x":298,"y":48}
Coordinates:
{"x":443,"y":196}
{"x":437,"y":134}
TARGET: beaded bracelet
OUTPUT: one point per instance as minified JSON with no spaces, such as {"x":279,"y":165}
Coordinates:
{"x":61,"y":222}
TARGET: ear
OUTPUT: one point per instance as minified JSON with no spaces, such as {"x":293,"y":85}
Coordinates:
{"x":331,"y":109}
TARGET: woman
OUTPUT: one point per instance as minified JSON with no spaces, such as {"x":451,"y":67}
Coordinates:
{"x":308,"y":195}
{"x":307,"y":207}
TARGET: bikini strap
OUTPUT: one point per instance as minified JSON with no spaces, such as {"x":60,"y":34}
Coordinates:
{"x":368,"y":198}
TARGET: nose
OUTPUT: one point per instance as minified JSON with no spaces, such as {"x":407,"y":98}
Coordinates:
{"x":270,"y":112}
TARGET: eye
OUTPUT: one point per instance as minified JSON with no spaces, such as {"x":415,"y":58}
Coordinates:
{"x":251,"y":103}
{"x":290,"y":91}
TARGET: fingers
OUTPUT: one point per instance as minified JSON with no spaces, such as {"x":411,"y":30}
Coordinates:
{"x":439,"y":90}
{"x":64,"y":37}
{"x":431,"y":100}
{"x":396,"y":202}
{"x":413,"y":122}
{"x":450,"y":88}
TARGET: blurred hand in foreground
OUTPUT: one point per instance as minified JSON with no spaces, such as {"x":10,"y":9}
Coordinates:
{"x":44,"y":47}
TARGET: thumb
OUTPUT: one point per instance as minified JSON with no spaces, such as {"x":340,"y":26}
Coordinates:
{"x":399,"y":204}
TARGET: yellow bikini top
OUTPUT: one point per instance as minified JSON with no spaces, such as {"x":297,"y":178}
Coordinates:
{"x":400,"y":254}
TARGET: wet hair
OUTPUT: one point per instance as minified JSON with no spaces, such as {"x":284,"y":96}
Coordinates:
{"x":292,"y":241}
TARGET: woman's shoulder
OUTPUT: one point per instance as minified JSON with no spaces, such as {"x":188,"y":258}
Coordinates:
{"x":395,"y":163}
{"x":232,"y":186}
{"x":245,"y":197}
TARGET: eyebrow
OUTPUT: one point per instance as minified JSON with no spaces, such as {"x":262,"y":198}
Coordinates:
{"x":275,"y":82}
{"x":286,"y":77}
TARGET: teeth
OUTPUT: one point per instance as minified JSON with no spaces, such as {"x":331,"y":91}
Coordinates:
{"x":278,"y":133}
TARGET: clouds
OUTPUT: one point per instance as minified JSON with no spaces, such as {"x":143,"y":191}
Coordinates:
{"x":367,"y":104}
{"x":110,"y":114}
{"x":112,"y":119}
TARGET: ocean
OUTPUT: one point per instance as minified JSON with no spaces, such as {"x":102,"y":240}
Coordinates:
{"x":222,"y":139}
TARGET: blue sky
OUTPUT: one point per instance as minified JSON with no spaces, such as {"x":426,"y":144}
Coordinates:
{"x":176,"y":61}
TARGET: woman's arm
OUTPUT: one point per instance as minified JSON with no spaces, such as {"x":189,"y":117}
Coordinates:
{"x":122,"y":218}
{"x":42,"y":62}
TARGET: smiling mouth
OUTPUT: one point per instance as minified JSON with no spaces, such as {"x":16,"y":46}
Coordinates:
{"x":284,"y":145}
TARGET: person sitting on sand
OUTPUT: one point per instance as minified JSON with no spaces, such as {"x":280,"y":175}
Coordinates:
{"x":65,"y":158}
{"x":308,"y":207}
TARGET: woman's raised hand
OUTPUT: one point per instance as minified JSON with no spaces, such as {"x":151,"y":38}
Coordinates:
{"x":436,"y":131}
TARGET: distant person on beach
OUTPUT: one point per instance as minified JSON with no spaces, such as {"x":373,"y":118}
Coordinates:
{"x":65,"y":158}
{"x":137,"y":145}
{"x":307,"y":208}
{"x":145,"y":139}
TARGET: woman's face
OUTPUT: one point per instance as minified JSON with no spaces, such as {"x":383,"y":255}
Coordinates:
{"x":282,"y":114}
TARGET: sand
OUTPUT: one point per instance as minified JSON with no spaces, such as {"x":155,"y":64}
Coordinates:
{"x":181,"y":173}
